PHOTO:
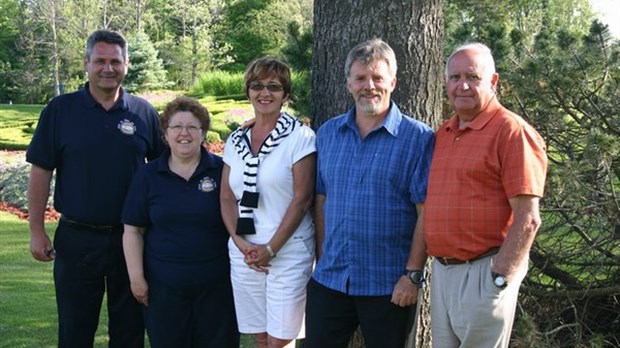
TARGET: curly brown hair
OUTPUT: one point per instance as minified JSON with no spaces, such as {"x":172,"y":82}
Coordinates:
{"x":188,"y":104}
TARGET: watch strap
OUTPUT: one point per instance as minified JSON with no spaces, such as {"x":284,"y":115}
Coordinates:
{"x":415,"y":276}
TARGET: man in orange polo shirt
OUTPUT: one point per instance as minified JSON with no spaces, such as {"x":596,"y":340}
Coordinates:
{"x":481,"y":214}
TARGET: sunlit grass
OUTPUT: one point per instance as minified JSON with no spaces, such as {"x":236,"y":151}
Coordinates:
{"x":27,"y":300}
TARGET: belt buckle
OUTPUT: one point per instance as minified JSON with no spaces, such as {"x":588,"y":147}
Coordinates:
{"x":443,"y":260}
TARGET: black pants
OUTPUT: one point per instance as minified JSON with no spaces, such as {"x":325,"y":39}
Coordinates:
{"x":332,"y":317}
{"x":88,"y":264}
{"x":199,"y":316}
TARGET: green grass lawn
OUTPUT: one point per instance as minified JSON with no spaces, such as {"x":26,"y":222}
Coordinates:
{"x":27,"y":302}
{"x":17,"y":122}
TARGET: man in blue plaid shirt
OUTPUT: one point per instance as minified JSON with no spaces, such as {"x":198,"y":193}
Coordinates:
{"x":372,"y":173}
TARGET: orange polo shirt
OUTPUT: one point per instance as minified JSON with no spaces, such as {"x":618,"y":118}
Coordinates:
{"x":473,"y":173}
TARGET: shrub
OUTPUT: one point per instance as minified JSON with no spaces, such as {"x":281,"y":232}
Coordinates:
{"x":218,"y":83}
{"x":14,"y":184}
{"x":213,"y":137}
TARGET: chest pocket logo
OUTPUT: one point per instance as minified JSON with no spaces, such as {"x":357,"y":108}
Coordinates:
{"x":207,"y":184}
{"x":127,"y":127}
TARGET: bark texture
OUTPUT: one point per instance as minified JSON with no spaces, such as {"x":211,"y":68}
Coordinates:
{"x":414,"y":30}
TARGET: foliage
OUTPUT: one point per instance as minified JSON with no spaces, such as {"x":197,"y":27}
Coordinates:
{"x":146,"y":71}
{"x":184,"y":38}
{"x":220,"y":83}
{"x":42,"y":41}
{"x":14,"y":184}
{"x":256,"y":28}
{"x":496,"y":23}
{"x":298,"y":54}
{"x":567,"y":84}
{"x":9,"y":32}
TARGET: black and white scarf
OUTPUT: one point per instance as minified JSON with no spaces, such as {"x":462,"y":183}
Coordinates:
{"x":285,"y":125}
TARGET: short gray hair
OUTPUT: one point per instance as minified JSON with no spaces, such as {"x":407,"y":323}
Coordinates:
{"x":370,"y":51}
{"x":107,"y":36}
{"x":482,"y":49}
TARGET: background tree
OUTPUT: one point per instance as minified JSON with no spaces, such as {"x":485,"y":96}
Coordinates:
{"x":146,"y":72}
{"x":82,"y":18}
{"x":9,"y":33}
{"x":568,"y":85}
{"x":298,"y":54}
{"x":340,"y":25}
{"x":255,"y":28}
{"x":183,"y":33}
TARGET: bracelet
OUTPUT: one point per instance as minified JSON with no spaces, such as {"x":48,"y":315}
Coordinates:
{"x":270,"y":251}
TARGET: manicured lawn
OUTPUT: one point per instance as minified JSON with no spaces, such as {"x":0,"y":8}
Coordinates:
{"x":17,"y":125}
{"x":27,"y":302}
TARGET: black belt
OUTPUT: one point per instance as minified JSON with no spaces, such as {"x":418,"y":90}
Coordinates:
{"x":91,"y":227}
{"x":455,"y":261}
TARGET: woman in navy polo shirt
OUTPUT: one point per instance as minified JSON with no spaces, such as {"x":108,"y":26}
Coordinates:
{"x":175,"y":241}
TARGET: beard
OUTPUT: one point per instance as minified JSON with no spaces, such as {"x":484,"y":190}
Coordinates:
{"x":369,"y":106}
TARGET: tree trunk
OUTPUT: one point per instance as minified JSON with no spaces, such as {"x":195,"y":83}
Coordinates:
{"x":194,"y":51}
{"x":414,"y":30}
{"x":53,"y":16}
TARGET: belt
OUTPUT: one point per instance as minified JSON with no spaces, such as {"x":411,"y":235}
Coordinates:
{"x":455,"y":261}
{"x":91,"y":227}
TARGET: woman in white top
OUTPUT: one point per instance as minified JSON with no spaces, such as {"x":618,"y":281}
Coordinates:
{"x":266,"y":193}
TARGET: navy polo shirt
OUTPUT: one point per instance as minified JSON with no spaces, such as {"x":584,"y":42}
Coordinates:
{"x":185,"y":242}
{"x":95,"y":152}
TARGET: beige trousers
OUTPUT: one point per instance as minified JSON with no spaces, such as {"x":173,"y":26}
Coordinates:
{"x":467,"y":309}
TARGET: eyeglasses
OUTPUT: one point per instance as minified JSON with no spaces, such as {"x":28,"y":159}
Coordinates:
{"x":191,"y":128}
{"x":272,"y":87}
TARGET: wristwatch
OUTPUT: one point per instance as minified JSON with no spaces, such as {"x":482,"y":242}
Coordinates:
{"x":416,"y":276}
{"x":499,"y":280}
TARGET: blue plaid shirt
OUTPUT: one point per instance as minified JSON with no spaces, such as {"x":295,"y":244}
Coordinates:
{"x":372,"y":187}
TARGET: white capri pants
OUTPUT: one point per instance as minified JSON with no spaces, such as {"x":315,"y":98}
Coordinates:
{"x":275,"y":302}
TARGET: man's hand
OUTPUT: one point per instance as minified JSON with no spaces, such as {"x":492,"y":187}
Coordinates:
{"x":41,"y":247}
{"x":405,"y":293}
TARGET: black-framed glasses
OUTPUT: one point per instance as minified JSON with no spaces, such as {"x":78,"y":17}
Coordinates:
{"x":272,"y":87}
{"x":177,"y":128}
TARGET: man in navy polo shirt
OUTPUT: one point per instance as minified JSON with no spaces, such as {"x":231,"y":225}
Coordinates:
{"x":95,"y":139}
{"x":372,"y":172}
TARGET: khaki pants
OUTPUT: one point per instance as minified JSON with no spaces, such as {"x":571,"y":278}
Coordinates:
{"x":467,"y":309}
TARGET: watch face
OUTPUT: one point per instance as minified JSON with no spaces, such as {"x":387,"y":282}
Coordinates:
{"x":500,"y":281}
{"x":415,"y":276}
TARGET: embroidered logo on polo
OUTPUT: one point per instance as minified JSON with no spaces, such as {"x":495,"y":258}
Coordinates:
{"x":127,"y":127}
{"x":207,"y":184}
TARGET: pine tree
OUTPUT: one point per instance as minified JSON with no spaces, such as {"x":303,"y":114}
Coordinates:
{"x":146,"y":69}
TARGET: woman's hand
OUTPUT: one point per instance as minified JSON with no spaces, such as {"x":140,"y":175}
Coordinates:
{"x":258,"y":258}
{"x":140,"y":290}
